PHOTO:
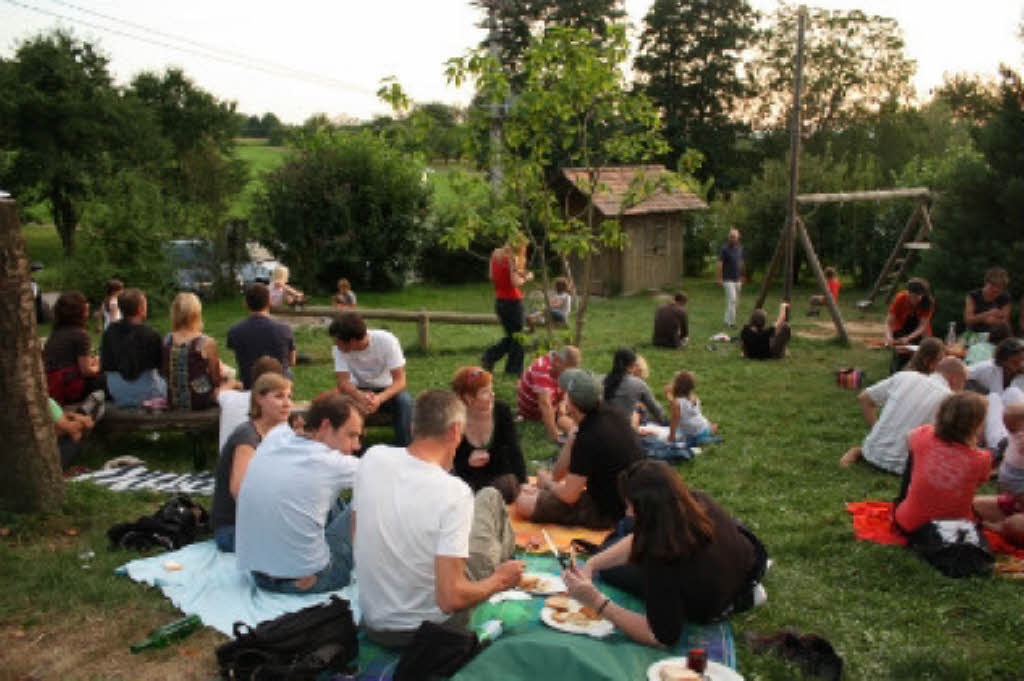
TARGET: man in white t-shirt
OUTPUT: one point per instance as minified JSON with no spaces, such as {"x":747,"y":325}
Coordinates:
{"x":370,"y":368}
{"x":235,"y":404}
{"x":425,"y":548}
{"x":292,"y":532}
{"x":907,"y":400}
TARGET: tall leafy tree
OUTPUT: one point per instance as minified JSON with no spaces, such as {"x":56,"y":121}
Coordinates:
{"x":853,"y":63}
{"x":61,"y":115}
{"x":688,"y":61}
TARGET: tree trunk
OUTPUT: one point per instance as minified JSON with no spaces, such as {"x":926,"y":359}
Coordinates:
{"x":32,"y":477}
{"x":65,"y":219}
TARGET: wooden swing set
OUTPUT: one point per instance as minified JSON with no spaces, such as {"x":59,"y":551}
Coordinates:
{"x":898,"y":262}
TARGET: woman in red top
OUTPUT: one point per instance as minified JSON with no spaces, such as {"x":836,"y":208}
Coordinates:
{"x":909,"y":320}
{"x":507,"y":279}
{"x":944,"y":468}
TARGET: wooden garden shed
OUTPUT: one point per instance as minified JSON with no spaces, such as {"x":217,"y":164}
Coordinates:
{"x":653,"y":258}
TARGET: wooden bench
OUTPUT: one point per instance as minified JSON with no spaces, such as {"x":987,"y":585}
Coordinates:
{"x":196,"y":424}
{"x":423,"y":318}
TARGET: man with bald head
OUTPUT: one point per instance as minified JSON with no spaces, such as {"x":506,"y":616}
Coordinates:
{"x":907,"y":399}
{"x":541,"y":398}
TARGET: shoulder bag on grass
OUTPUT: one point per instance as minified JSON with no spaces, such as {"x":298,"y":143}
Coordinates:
{"x":295,"y":646}
{"x":957,"y":548}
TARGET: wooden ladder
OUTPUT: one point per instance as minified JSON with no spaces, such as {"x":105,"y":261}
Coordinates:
{"x":898,"y":263}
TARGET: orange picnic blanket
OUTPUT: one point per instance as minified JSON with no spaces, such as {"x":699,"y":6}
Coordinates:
{"x":872,"y":521}
{"x":560,"y":534}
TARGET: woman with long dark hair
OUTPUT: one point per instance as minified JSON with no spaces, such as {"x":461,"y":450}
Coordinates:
{"x":72,"y":370}
{"x":623,"y":389}
{"x":691,"y":561}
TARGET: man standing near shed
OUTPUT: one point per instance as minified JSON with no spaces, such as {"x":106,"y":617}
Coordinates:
{"x":730,"y":274}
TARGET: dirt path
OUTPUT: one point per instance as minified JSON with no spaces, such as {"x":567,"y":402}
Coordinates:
{"x":859,"y":331}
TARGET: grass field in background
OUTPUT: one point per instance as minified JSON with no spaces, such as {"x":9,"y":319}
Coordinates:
{"x":785,"y":424}
{"x":261,"y":158}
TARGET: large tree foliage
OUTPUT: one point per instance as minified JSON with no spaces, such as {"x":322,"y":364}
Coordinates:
{"x":573,"y":108}
{"x":61,"y":116}
{"x":688,"y":62}
{"x":853,"y":62}
{"x":345,"y":204}
{"x":979,"y":217}
{"x":512,"y":24}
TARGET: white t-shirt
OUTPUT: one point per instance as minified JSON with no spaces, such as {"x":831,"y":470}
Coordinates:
{"x":371,"y":368}
{"x":562,"y":302}
{"x":691,"y":421}
{"x":908,"y":399}
{"x":990,"y":375}
{"x":234,"y":411}
{"x":291,"y":484}
{"x":408,"y":512}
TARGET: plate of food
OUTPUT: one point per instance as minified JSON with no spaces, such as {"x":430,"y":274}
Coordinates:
{"x":565,"y":614}
{"x":541,"y":584}
{"x":675,"y":669}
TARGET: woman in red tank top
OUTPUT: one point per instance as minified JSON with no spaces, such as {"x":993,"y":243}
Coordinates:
{"x":507,"y":279}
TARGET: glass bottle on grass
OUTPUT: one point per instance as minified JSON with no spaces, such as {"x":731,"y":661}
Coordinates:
{"x":161,"y":637}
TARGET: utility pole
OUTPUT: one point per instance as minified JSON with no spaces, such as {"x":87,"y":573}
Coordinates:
{"x":496,"y":109}
{"x":794,"y":157}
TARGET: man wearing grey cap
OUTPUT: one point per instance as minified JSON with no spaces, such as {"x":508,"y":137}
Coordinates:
{"x":583,"y":488}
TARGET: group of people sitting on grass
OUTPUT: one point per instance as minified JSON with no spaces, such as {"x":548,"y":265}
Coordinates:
{"x":929,"y":420}
{"x":427,"y":534}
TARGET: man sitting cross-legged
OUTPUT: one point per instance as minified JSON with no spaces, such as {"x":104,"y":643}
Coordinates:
{"x":583,"y":489}
{"x":908,"y":399}
{"x":291,"y":530}
{"x":425,"y":548}
{"x":370,"y":368}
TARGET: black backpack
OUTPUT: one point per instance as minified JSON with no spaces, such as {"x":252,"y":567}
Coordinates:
{"x":437,"y":651}
{"x":295,"y":646}
{"x":177,"y":523}
{"x":957,"y":547}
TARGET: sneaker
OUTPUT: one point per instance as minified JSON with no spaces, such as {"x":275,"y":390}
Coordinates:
{"x":94,"y":406}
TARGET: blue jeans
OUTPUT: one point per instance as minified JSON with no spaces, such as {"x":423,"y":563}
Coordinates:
{"x":400,"y":408}
{"x":337,"y":573}
{"x":224,"y":538}
{"x":147,"y":385}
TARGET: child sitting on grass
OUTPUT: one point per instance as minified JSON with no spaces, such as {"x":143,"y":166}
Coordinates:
{"x":818,"y":301}
{"x":561,"y":305}
{"x":345,"y":298}
{"x":687,"y":423}
{"x":1004,"y":513}
{"x":281,"y":293}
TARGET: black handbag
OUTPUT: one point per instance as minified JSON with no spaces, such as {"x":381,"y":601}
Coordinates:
{"x":437,"y":651}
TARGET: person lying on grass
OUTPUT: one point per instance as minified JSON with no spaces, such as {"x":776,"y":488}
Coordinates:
{"x":684,"y":555}
{"x":270,"y":404}
{"x":944,"y":467}
{"x":1004,"y":513}
{"x":582,"y":488}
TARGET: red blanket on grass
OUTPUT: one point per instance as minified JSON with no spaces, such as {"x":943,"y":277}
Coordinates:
{"x":872,"y":521}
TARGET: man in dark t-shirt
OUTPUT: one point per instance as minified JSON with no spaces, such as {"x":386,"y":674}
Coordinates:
{"x":131,"y":354}
{"x":730,"y":274}
{"x":583,"y":488}
{"x":260,"y":335}
{"x":761,"y":341}
{"x":671,"y":325}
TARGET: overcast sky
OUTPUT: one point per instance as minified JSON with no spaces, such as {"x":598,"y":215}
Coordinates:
{"x":306,"y":56}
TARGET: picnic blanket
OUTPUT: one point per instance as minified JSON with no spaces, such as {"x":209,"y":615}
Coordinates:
{"x":561,"y":535}
{"x":211,"y":585}
{"x":530,"y":650}
{"x":132,"y":478}
{"x":872,"y":521}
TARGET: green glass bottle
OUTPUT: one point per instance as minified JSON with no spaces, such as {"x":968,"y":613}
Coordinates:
{"x":161,"y":637}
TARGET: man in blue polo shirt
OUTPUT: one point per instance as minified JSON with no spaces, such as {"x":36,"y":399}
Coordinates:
{"x":292,"y":533}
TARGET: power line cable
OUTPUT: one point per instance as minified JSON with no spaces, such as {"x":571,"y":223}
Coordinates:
{"x":241,"y":61}
{"x":213,"y":48}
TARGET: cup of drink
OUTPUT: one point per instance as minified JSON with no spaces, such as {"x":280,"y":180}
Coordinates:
{"x":697,"y":660}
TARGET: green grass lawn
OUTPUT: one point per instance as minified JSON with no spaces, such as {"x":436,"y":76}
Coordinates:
{"x":785,"y":424}
{"x":261,"y":158}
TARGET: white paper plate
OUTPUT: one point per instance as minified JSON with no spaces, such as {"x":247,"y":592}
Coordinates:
{"x":549,"y":584}
{"x":714,"y":672}
{"x":599,"y":629}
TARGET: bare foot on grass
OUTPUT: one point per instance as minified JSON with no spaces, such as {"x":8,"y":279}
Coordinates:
{"x":846,"y":460}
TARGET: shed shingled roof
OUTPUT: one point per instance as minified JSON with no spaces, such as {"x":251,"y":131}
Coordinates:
{"x":614,"y":182}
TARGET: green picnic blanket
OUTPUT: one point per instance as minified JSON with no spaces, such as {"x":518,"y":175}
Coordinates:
{"x":529,"y":650}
